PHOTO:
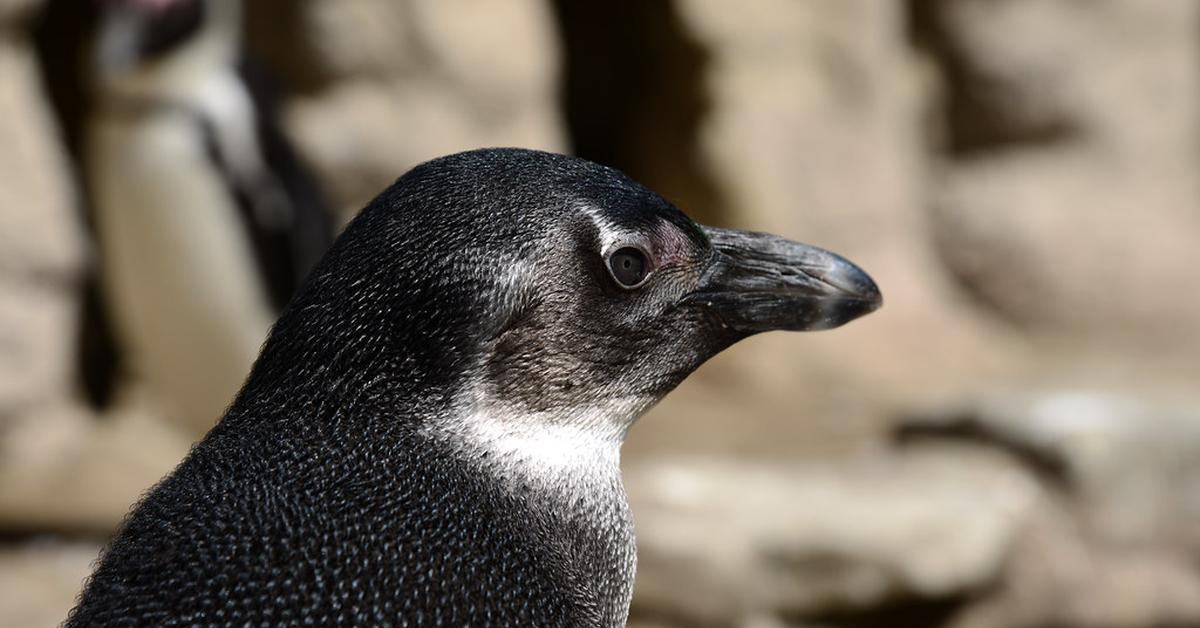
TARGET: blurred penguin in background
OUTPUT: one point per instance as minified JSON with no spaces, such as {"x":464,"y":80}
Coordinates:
{"x":205,"y":219}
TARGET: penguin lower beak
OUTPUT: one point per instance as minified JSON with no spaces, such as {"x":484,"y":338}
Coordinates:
{"x":758,"y":282}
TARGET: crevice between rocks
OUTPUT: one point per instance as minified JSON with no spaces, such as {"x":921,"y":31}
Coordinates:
{"x":634,"y":95}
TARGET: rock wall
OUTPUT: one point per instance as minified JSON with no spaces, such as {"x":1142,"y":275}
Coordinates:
{"x":1066,"y":200}
{"x":378,"y":87}
{"x":41,"y":247}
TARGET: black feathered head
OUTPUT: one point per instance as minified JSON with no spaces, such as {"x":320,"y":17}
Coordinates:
{"x":541,"y":284}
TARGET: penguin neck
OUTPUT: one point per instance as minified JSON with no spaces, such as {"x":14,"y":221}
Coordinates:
{"x":567,"y":450}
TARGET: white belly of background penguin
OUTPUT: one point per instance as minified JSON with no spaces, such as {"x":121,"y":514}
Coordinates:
{"x":431,"y":433}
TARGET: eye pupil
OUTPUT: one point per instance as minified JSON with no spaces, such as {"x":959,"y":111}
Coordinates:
{"x":628,"y":266}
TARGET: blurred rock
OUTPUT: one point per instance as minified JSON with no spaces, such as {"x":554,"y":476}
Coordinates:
{"x":1041,"y":240}
{"x":1131,"y":463}
{"x":812,"y":131}
{"x":1010,"y":510}
{"x":1117,"y":547}
{"x":1060,"y":575}
{"x":42,"y":254}
{"x":41,"y":249}
{"x":14,"y":10}
{"x":37,"y":349}
{"x":38,"y":233}
{"x":62,"y":470}
{"x":403,"y":82}
{"x":1031,"y":219}
{"x":722,"y":542}
{"x":40,"y":579}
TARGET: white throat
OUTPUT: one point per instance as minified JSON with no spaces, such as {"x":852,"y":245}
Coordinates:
{"x":565,"y":448}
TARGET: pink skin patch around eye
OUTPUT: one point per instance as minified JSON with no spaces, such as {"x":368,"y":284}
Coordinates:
{"x":671,"y":246}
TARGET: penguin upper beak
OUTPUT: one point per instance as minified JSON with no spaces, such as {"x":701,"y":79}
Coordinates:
{"x":759,"y":282}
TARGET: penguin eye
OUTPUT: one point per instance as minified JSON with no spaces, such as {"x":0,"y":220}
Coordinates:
{"x":629,"y":266}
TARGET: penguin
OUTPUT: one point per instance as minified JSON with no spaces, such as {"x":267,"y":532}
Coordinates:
{"x":431,"y":434}
{"x":206,"y":220}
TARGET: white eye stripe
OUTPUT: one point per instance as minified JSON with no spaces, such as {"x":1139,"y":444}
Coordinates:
{"x":611,"y":236}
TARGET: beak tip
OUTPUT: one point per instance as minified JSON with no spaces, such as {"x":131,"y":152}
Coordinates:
{"x":873,"y":296}
{"x":839,"y":311}
{"x":859,"y":295}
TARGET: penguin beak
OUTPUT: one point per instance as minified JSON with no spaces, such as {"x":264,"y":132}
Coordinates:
{"x":758,"y":282}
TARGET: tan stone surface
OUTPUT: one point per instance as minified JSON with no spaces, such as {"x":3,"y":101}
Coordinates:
{"x":813,"y":132}
{"x":405,"y":82}
{"x":14,"y":10}
{"x":62,"y":469}
{"x":38,"y":232}
{"x":1132,"y":461}
{"x":1058,"y":576}
{"x":720,"y":542}
{"x":41,"y":248}
{"x":40,"y":579}
{"x":37,"y":354}
{"x":1075,"y":208}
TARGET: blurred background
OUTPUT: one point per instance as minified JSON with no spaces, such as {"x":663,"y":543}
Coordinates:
{"x":1013,"y":441}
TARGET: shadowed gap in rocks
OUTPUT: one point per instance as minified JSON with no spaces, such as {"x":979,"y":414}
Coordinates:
{"x":635,"y":99}
{"x":927,"y":612}
{"x":62,"y":36}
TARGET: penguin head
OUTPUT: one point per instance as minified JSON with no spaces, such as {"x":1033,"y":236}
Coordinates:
{"x":157,"y":47}
{"x":142,"y":30}
{"x":545,"y":286}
